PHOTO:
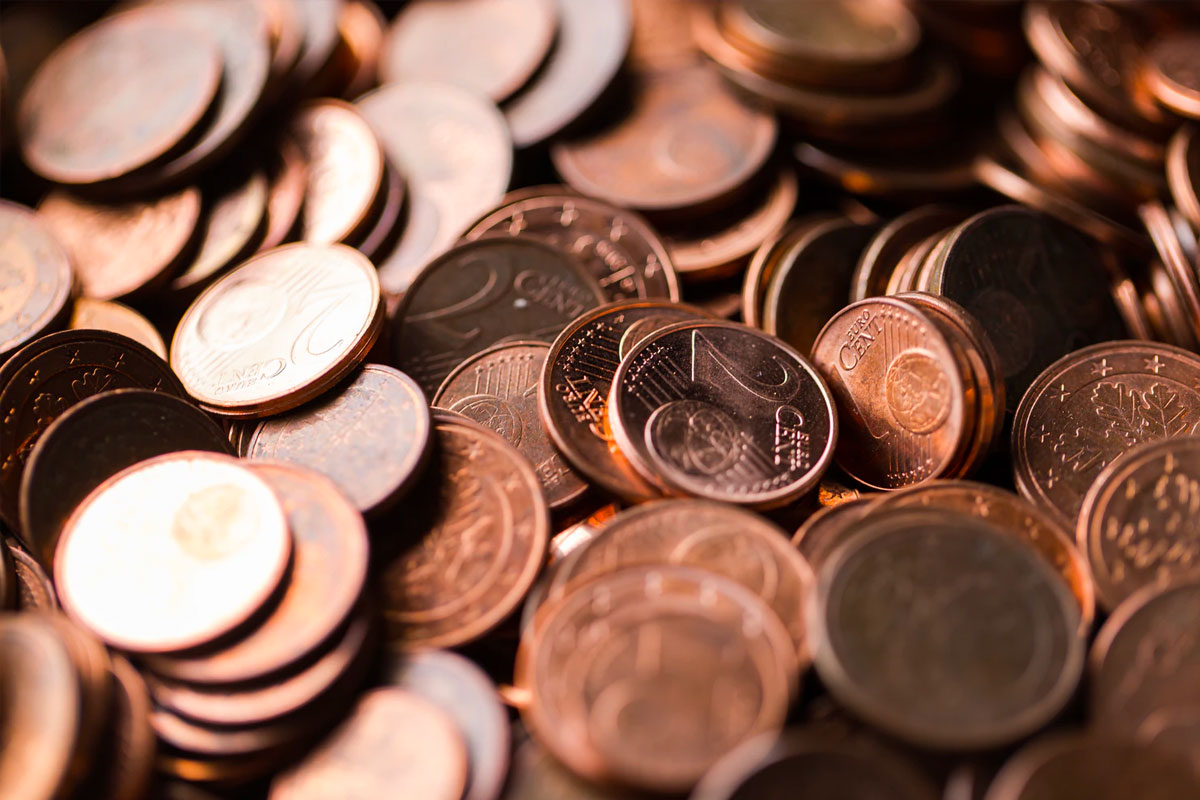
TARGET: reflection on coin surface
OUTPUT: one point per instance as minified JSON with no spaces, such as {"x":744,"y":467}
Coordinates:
{"x":108,"y":315}
{"x":35,"y":277}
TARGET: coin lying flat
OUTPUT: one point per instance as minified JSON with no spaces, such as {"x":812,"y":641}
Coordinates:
{"x":37,"y":277}
{"x":108,"y":315}
{"x":172,"y":552}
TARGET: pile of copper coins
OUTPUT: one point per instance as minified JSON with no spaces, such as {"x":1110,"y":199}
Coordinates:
{"x":599,"y":399}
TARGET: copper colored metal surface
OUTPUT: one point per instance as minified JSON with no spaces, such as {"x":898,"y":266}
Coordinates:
{"x":37,"y":278}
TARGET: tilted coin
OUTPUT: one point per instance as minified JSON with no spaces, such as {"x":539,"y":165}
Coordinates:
{"x":125,"y":761}
{"x":1172,"y":73}
{"x":279,"y":329}
{"x":944,"y":631}
{"x":821,"y":534}
{"x":1183,"y":172}
{"x":767,"y":258}
{"x":387,"y":226}
{"x":172,"y":553}
{"x":480,"y":292}
{"x":535,"y":774}
{"x":371,"y":437}
{"x":109,"y":315}
{"x":498,"y":388}
{"x":887,"y":247}
{"x":35,"y":278}
{"x":94,"y":440}
{"x":8,"y":579}
{"x":361,"y":31}
{"x":318,"y":24}
{"x":287,"y":171}
{"x":1170,"y":249}
{"x":34,"y":590}
{"x":721,"y":411}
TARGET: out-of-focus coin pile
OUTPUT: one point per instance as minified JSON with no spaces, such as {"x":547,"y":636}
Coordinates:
{"x":585,"y":399}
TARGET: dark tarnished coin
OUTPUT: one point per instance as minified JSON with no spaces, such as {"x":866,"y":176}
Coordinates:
{"x":1094,"y":404}
{"x":35,"y":592}
{"x":631,"y":675}
{"x":371,"y":437}
{"x":887,"y":247}
{"x":92,"y":441}
{"x":48,"y":376}
{"x":615,"y":245}
{"x":1138,"y":524}
{"x":944,"y":631}
{"x":687,"y":140}
{"x":467,"y":694}
{"x":592,"y":39}
{"x":124,"y":761}
{"x":328,"y":571}
{"x":109,"y":315}
{"x":575,"y":384}
{"x":723,"y":412}
{"x":1172,"y":72}
{"x":766,"y":259}
{"x":498,"y":388}
{"x":35,"y":278}
{"x":822,"y":533}
{"x":482,"y":292}
{"x":8,"y":578}
{"x":234,"y":218}
{"x":117,"y":96}
{"x":1183,"y":172}
{"x":481,"y":532}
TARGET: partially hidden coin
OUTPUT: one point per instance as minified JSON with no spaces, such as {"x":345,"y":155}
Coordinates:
{"x":1172,"y":73}
{"x":287,"y":173}
{"x":8,"y":578}
{"x":535,"y":774}
{"x":34,"y":590}
{"x":822,"y":533}
{"x":767,"y":258}
{"x":35,"y":278}
{"x":109,"y":315}
{"x":882,"y":255}
{"x":1183,"y":172}
{"x":125,"y":759}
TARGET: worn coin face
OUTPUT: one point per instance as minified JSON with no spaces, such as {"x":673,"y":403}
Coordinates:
{"x":1091,"y":406}
{"x":172,"y":553}
{"x":613,"y":706}
{"x":482,"y":533}
{"x":35,"y":277}
{"x":481,"y":292}
{"x":687,"y":140}
{"x":279,"y":329}
{"x":94,"y":440}
{"x":120,"y":249}
{"x":499,"y":389}
{"x":456,"y":155}
{"x":233,"y":220}
{"x":614,"y":244}
{"x":945,"y":631}
{"x":108,"y":315}
{"x":371,"y":437}
{"x":117,"y":96}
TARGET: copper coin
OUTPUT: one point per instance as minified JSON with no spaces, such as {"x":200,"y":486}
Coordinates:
{"x":88,"y":116}
{"x":687,"y":140}
{"x":279,"y":329}
{"x":394,"y":743}
{"x":1172,"y":73}
{"x":94,"y":440}
{"x":361,"y":37}
{"x":234,"y":218}
{"x":1183,"y":172}
{"x":812,"y":281}
{"x":172,"y":553}
{"x":8,"y":579}
{"x":766,"y":260}
{"x":35,"y":278}
{"x":94,"y":668}
{"x":481,"y":533}
{"x":123,"y":248}
{"x":319,"y":25}
{"x":822,"y":533}
{"x":1094,"y":404}
{"x":193,"y":740}
{"x":456,"y":155}
{"x":573,"y":395}
{"x":125,"y":761}
{"x":700,"y":533}
{"x":889,"y":244}
{"x":662,"y":35}
{"x":371,"y":437}
{"x":481,"y":292}
{"x":387,"y":224}
{"x":944,"y":631}
{"x":1094,"y":767}
{"x":498,"y":388}
{"x":537,"y":775}
{"x":1136,"y":524}
{"x":590,"y":45}
{"x":51,"y":374}
{"x":288,"y":175}
{"x":345,"y":171}
{"x":34,"y":590}
{"x":1170,"y":249}
{"x":467,"y":694}
{"x":723,"y":412}
{"x":489,"y":48}
{"x":108,"y":315}
{"x":616,"y":245}
{"x":630,"y":675}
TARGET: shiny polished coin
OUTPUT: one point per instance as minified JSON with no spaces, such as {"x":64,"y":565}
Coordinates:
{"x":944,"y":631}
{"x":233,"y":220}
{"x":462,"y":690}
{"x":887,"y":247}
{"x":498,"y":388}
{"x":456,"y":155}
{"x":394,"y":743}
{"x":480,"y":533}
{"x":721,"y":539}
{"x":172,"y":553}
{"x":48,"y":376}
{"x":1137,"y":524}
{"x":486,"y":47}
{"x":94,"y":440}
{"x":688,"y":140}
{"x":1172,"y":72}
{"x":1090,"y":407}
{"x":120,"y":249}
{"x":1183,"y":172}
{"x":125,"y":758}
{"x":723,"y":412}
{"x":34,"y":590}
{"x":345,"y":171}
{"x":590,"y":46}
{"x":616,"y":246}
{"x":1175,"y":262}
{"x":108,"y":315}
{"x":37,"y":278}
{"x":279,"y":329}
{"x":481,"y":292}
{"x":89,"y":115}
{"x":614,"y":707}
{"x":573,"y":394}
